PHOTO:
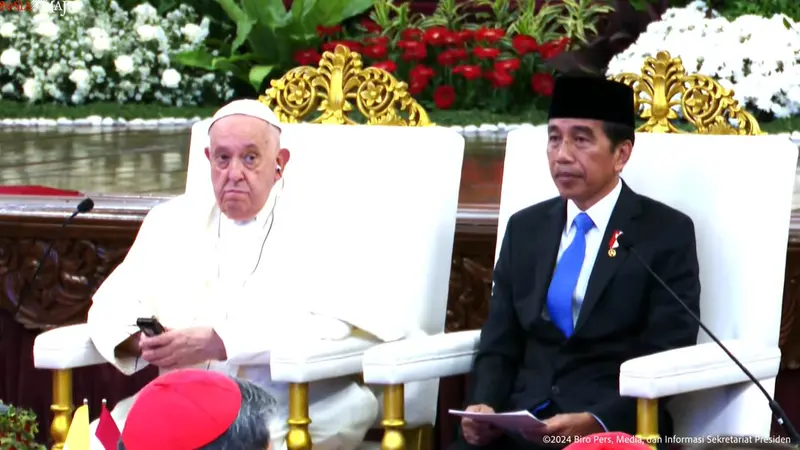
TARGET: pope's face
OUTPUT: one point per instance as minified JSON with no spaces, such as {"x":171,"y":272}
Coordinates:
{"x":583,"y":164}
{"x":244,"y":152}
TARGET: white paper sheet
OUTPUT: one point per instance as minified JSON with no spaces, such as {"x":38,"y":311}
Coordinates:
{"x":509,"y":421}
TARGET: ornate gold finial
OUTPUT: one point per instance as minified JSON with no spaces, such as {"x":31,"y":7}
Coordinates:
{"x":335,"y":86}
{"x":709,"y":107}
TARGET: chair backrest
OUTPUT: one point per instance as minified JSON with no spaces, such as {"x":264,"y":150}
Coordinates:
{"x":741,"y":213}
{"x":369,"y":216}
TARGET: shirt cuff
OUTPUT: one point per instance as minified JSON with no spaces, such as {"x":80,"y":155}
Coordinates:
{"x":605,"y":428}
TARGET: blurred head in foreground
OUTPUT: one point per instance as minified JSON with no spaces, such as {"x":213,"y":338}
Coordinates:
{"x":198,"y":410}
{"x":590,"y":136}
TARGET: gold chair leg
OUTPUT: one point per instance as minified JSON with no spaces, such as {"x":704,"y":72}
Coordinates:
{"x":420,"y":438}
{"x":393,"y":418}
{"x":62,"y":407}
{"x":647,"y":421}
{"x":298,"y":437}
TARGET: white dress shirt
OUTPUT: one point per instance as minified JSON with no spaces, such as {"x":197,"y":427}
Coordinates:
{"x":600,"y":214}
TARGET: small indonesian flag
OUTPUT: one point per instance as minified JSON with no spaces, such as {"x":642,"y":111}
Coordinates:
{"x":107,"y":432}
{"x":612,"y":244}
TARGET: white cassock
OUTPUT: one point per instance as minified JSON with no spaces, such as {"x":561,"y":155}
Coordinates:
{"x":191,"y":266}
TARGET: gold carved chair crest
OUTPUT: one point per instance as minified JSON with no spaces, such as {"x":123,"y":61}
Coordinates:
{"x":339,"y":90}
{"x":664,"y":84}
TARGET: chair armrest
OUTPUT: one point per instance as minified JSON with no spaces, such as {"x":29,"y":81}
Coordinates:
{"x":65,"y":348}
{"x":421,"y":358}
{"x":696,"y":368}
{"x":308,"y":361}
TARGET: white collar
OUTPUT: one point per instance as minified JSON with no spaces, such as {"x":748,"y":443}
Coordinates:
{"x":600,"y":212}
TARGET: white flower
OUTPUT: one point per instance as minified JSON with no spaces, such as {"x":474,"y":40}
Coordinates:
{"x":170,"y":78}
{"x":10,"y":57}
{"x":79,"y":77}
{"x":123,"y":64}
{"x":191,"y":32}
{"x":101,"y":44}
{"x":97,"y":33}
{"x":47,"y":29}
{"x":7,"y":29}
{"x":31,"y":89}
{"x":147,"y":32}
{"x":145,"y":11}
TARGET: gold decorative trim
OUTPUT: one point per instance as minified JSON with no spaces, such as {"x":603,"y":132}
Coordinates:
{"x":664,"y":84}
{"x":337,"y":87}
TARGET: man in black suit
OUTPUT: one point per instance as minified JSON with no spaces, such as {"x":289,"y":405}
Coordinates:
{"x":568,"y":307}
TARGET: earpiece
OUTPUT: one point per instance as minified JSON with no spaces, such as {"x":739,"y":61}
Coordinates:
{"x":278,"y":168}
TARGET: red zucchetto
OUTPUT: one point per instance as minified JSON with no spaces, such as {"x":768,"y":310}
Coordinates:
{"x":609,"y":441}
{"x":182,"y":410}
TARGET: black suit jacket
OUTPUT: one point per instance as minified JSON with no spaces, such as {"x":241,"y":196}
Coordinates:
{"x":524,"y":359}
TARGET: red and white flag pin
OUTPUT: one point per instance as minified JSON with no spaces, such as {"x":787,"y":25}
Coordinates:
{"x":613,"y":244}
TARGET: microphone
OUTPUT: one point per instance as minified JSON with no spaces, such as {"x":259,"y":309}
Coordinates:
{"x":84,"y":206}
{"x":777,"y":411}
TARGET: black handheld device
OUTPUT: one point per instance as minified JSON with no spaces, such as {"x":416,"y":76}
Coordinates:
{"x":149,"y":326}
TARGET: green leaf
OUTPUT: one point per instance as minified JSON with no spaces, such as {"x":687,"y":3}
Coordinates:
{"x":244,"y":23}
{"x":257,"y":75}
{"x":332,"y":12}
{"x":199,"y":58}
{"x":243,"y":30}
{"x":786,"y":23}
{"x":268,"y":13}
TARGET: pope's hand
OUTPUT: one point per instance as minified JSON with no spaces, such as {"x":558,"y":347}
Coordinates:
{"x":181,"y":348}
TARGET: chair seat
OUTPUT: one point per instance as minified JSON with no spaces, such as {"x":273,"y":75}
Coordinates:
{"x":65,"y":348}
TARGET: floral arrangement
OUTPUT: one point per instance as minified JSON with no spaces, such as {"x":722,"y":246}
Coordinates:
{"x":757,"y":57}
{"x":18,"y":428}
{"x":452,"y":63}
{"x":87,"y":54}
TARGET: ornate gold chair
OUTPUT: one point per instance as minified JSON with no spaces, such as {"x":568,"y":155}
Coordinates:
{"x":339,"y":91}
{"x":711,"y":179}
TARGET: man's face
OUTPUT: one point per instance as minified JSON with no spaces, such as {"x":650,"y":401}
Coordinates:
{"x":583,"y":165}
{"x":244,"y":152}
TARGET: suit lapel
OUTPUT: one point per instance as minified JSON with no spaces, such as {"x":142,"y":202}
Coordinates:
{"x":545,"y":246}
{"x":622,"y":219}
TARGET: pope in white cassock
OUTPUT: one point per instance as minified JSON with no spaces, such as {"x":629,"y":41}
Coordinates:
{"x":201,"y":266}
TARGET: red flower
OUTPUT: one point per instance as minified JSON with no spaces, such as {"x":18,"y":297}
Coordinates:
{"x":388,"y":65}
{"x":453,"y":39}
{"x":308,"y":57}
{"x":468,"y":72}
{"x":500,"y":78}
{"x":410,"y":34}
{"x":413,"y":50}
{"x":417,"y":85}
{"x":375,"y":51}
{"x":553,"y":48}
{"x":328,"y":31}
{"x":376,"y":40}
{"x":451,"y":57}
{"x":370,"y":26}
{"x":489,"y":35}
{"x":465,"y":35}
{"x":436,"y":36}
{"x":444,"y":97}
{"x":485,"y":52}
{"x":352,"y":45}
{"x":506,"y":65}
{"x":542,"y":84}
{"x":420,"y":72}
{"x":524,"y":44}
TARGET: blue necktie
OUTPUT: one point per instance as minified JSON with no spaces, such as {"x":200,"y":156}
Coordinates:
{"x":565,"y":277}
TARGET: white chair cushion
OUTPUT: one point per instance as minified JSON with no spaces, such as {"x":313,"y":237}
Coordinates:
{"x":421,"y":358}
{"x":696,"y":368}
{"x":65,"y":348}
